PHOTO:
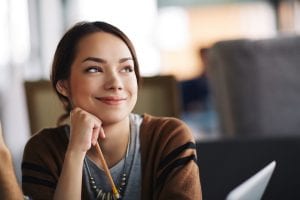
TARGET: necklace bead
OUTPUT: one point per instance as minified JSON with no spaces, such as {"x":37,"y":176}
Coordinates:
{"x":99,"y":192}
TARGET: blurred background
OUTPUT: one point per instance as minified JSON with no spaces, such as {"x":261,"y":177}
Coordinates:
{"x":171,"y":38}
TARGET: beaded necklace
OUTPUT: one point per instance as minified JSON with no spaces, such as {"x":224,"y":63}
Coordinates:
{"x":99,"y":192}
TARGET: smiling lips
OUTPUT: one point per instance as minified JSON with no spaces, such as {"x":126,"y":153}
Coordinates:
{"x":111,"y":100}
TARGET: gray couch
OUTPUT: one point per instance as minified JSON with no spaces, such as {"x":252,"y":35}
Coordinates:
{"x":256,"y":85}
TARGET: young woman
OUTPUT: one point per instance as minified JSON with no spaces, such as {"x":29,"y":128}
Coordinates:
{"x":95,"y":73}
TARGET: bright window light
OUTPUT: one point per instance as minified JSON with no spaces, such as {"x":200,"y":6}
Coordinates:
{"x":14,"y":37}
{"x":172,"y":29}
{"x":4,"y":34}
{"x":19,"y":31}
{"x":136,"y":18}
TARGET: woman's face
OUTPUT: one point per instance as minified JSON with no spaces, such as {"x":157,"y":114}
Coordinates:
{"x":102,"y":79}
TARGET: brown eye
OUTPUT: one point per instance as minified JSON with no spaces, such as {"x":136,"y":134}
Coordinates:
{"x":93,"y":69}
{"x":127,"y":69}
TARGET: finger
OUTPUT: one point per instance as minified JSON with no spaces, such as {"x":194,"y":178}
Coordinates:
{"x":95,"y":135}
{"x":74,"y":111}
{"x":2,"y":143}
{"x":101,"y":133}
{"x":0,"y":129}
{"x":1,"y":137}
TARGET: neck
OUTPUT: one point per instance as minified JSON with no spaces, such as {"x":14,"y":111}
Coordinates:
{"x":114,"y":145}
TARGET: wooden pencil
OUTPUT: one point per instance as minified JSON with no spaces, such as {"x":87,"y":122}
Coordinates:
{"x":107,"y":172}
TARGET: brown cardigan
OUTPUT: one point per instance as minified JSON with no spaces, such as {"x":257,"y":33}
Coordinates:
{"x":168,"y":157}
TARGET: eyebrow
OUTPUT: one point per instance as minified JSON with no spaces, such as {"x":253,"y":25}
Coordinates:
{"x":100,"y":60}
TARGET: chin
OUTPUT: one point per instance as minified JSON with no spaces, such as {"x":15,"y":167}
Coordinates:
{"x":112,"y":118}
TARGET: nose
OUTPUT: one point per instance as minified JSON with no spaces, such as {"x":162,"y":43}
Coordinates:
{"x":113,"y":82}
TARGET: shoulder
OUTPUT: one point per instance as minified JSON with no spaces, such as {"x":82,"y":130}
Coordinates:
{"x":163,"y":135}
{"x":49,"y":134}
{"x":165,"y":127}
{"x":49,"y":138}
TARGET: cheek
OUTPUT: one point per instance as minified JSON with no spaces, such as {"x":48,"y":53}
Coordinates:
{"x":80,"y":87}
{"x":133,"y":86}
{"x":135,"y":92}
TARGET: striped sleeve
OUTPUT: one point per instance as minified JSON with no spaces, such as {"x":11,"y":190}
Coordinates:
{"x":173,"y":161}
{"x":37,"y":175}
{"x":41,"y":165}
{"x":169,"y":160}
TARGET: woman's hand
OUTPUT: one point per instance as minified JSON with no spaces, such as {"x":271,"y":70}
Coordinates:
{"x":85,"y":130}
{"x":3,"y":147}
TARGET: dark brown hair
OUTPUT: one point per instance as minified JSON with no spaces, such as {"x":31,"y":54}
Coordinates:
{"x":66,"y":51}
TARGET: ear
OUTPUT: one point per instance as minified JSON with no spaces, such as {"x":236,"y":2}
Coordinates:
{"x":62,"y":88}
